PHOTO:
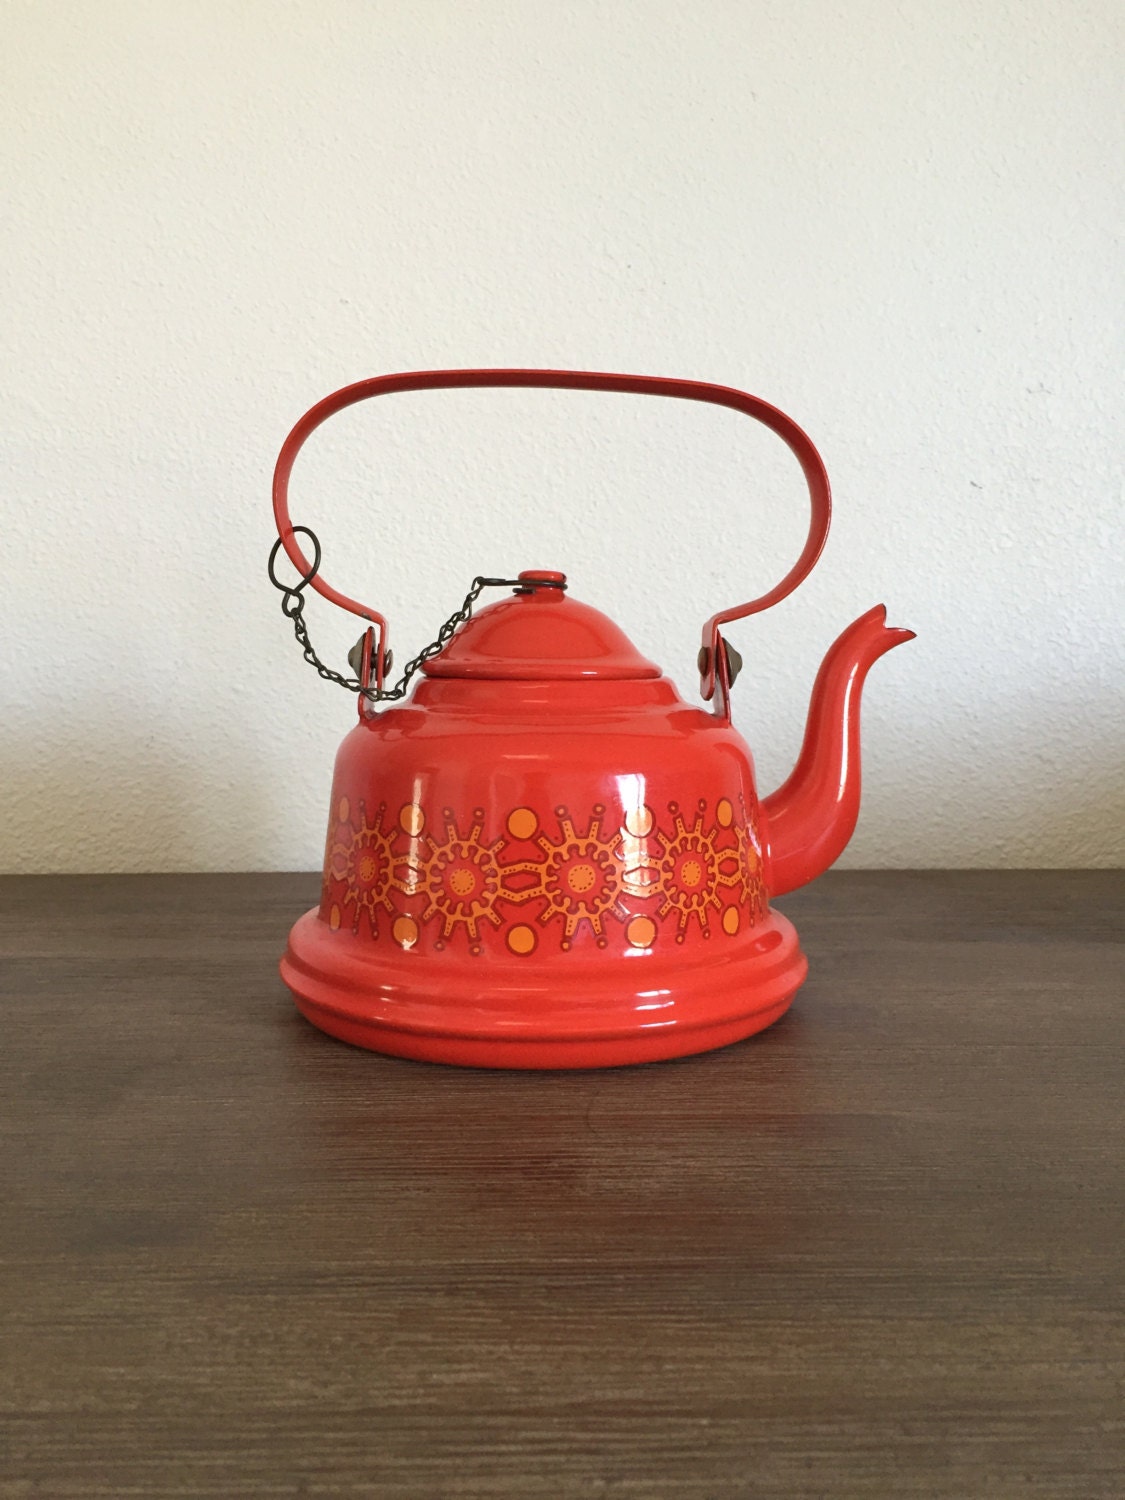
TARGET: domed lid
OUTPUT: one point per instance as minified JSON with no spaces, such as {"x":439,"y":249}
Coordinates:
{"x":539,"y":635}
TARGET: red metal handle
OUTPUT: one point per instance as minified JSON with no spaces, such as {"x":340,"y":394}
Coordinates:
{"x":574,"y":380}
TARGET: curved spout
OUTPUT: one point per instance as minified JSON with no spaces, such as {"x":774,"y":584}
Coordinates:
{"x":812,"y":815}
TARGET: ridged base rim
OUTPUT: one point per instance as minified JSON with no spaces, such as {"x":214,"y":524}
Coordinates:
{"x":392,"y":1004}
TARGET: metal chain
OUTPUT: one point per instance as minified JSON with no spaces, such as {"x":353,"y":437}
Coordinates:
{"x":293,"y":606}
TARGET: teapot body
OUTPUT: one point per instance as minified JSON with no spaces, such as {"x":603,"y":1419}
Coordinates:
{"x":544,"y":874}
{"x":546,"y":858}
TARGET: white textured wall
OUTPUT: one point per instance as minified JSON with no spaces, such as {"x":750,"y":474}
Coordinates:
{"x":895,"y":220}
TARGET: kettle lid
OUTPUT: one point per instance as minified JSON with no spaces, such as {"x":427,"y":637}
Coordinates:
{"x":540,"y":635}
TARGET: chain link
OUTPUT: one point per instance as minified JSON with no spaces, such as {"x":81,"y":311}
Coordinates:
{"x":293,"y":606}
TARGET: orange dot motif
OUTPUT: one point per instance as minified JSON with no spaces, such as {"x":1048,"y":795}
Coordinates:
{"x":522,"y":940}
{"x":411,"y":818}
{"x":522,"y":823}
{"x":405,"y":932}
{"x":641,"y":932}
{"x":647,"y":879}
{"x":639,"y":821}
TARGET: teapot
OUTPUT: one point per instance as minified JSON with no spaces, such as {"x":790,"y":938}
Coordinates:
{"x":543,"y":856}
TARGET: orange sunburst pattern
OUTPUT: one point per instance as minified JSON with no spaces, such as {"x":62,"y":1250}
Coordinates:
{"x":580,"y":877}
{"x":645,"y":882}
{"x":459,"y":877}
{"x":361,"y":858}
{"x":749,"y":847}
{"x":691,"y":871}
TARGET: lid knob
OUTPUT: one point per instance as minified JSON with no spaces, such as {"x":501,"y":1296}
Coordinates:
{"x":541,"y":578}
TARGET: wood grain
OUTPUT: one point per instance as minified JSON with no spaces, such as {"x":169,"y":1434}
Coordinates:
{"x":875,"y":1252}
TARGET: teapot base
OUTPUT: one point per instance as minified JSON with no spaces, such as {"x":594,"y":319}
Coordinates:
{"x":393,"y":1005}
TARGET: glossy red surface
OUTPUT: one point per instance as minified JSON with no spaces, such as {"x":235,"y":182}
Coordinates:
{"x":540,"y":634}
{"x":606,"y":1021}
{"x":545,"y":858}
{"x":812,"y":815}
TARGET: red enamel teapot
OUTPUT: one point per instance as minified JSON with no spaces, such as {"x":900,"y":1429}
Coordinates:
{"x":545,"y":857}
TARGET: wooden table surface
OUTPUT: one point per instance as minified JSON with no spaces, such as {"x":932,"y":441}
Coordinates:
{"x":876,"y":1251}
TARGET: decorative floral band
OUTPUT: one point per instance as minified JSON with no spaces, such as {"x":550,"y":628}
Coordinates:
{"x":529,"y":879}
